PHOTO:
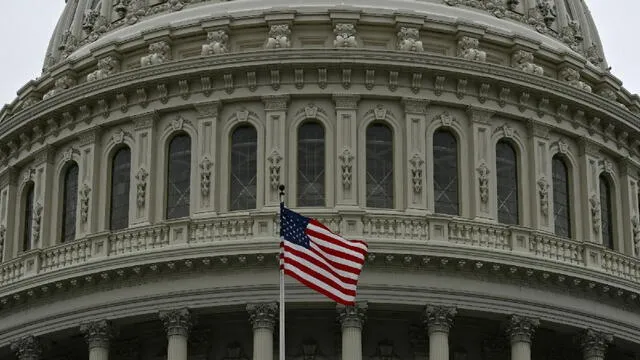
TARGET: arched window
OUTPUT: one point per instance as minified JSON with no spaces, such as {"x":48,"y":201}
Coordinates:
{"x":379,"y":150}
{"x":120,"y":185}
{"x":561,"y":200}
{"x":244,"y":168}
{"x":445,"y":172}
{"x":606,"y":211}
{"x":311,"y":165}
{"x":507,"y":177}
{"x":29,"y":194}
{"x":69,"y":203}
{"x":179,"y":176}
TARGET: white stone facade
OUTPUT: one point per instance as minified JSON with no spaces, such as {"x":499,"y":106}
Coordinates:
{"x":456,"y":284}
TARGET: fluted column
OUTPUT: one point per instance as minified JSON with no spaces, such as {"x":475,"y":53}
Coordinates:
{"x":439,"y":320}
{"x":351,"y":320}
{"x":594,"y":344}
{"x":263,"y":318}
{"x":177,"y":323}
{"x":520,"y":331}
{"x":97,"y":334}
{"x":27,"y":348}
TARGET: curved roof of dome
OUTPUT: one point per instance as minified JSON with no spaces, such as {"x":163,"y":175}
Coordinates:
{"x":565,"y":23}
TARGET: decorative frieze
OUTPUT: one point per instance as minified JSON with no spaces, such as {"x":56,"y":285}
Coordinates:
{"x":61,"y":84}
{"x":521,"y":329}
{"x":439,"y":318}
{"x":97,"y":334}
{"x":263,"y":316}
{"x":176,"y":322}
{"x":523,"y":60}
{"x":469,"y":49}
{"x":409,"y":39}
{"x":107,"y":66}
{"x":159,"y":53}
{"x":352,"y":316}
{"x":278,"y":37}
{"x":216,"y":43}
{"x":345,"y":36}
{"x":572,"y":77}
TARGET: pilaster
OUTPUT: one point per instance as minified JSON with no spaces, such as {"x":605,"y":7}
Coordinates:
{"x":594,"y":344}
{"x":42,"y":176}
{"x":520,"y":330}
{"x":275,"y":108}
{"x":351,"y":321}
{"x":27,"y":348}
{"x":207,"y":125}
{"x":415,"y":117}
{"x":439,"y":320}
{"x":482,"y":165}
{"x":541,"y":174}
{"x":590,"y":191}
{"x":346,"y":144}
{"x":263,"y":319}
{"x":143,"y":206}
{"x":8,"y":197}
{"x":629,"y":190}
{"x":88,"y":183}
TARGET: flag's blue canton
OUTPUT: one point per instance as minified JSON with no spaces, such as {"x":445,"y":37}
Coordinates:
{"x":293,"y":226}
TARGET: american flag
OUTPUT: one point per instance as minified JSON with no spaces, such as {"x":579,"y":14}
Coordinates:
{"x":318,"y":258}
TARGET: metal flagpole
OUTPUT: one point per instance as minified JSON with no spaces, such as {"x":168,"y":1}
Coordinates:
{"x":281,"y":262}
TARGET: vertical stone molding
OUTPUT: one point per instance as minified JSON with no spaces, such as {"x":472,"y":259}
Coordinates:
{"x":589,"y":199}
{"x":89,"y":163}
{"x":351,"y":321}
{"x":482,"y":165}
{"x":416,"y":119}
{"x":97,"y":335}
{"x":439,"y":320}
{"x":207,"y":124}
{"x":276,"y":114}
{"x":42,"y":176}
{"x":263,"y":319}
{"x":141,"y":201}
{"x":594,"y":344}
{"x":177,"y":323}
{"x":346,"y":165}
{"x":520,"y":330}
{"x":540,"y":160}
{"x":27,"y":348}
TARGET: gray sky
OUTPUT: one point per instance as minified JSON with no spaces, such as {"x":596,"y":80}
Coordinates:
{"x":28,"y":24}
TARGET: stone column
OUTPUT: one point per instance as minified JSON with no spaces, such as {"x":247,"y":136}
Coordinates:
{"x":97,"y":335}
{"x":88,"y":184}
{"x":8,"y":196}
{"x":629,"y":189}
{"x":27,"y":348}
{"x":275,"y":108}
{"x":142,"y":205}
{"x":594,"y":344}
{"x":589,"y":199}
{"x":482,"y":155}
{"x":263,"y":319}
{"x":439,"y":320}
{"x":540,"y":161}
{"x":207,"y":124}
{"x":351,"y":320}
{"x":177,"y":323}
{"x":346,"y":144}
{"x":415,"y":117}
{"x":520,"y":330}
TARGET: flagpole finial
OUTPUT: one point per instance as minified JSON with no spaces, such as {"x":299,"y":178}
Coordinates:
{"x":281,"y":188}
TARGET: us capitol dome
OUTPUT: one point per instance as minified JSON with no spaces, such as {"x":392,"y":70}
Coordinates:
{"x":482,"y":148}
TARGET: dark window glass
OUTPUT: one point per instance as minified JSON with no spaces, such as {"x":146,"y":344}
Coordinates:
{"x":311,"y":165}
{"x":69,"y":203}
{"x":606,"y":212}
{"x":179,"y":177}
{"x":120,"y":185}
{"x":561,"y":201}
{"x":244,"y":168}
{"x":28,"y":216}
{"x":445,"y":172}
{"x":379,"y":166}
{"x":507,"y":176}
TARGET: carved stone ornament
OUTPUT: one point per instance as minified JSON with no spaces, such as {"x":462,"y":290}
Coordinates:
{"x":177,"y":123}
{"x":345,"y":36}
{"x":278,"y":37}
{"x":311,"y":111}
{"x":416,"y":172}
{"x":608,"y":93}
{"x":85,"y":190}
{"x":67,"y":155}
{"x":439,"y":318}
{"x":107,"y":66}
{"x":61,"y":84}
{"x":380,"y":112}
{"x":141,"y":187}
{"x":97,"y":334}
{"x":594,"y":344}
{"x":521,"y":329}
{"x":216,"y":43}
{"x":37,"y":221}
{"x":205,"y":176}
{"x":593,"y":55}
{"x":352,"y":316}
{"x":27,"y":348}
{"x":445,"y":119}
{"x":563,"y":147}
{"x":159,"y":53}
{"x":263,"y":316}
{"x":274,"y":168}
{"x":635,"y":228}
{"x":523,"y":60}
{"x":596,"y":219}
{"x":543,"y":194}
{"x":409,"y":40}
{"x":176,"y":322}
{"x":572,"y":77}
{"x":346,"y":167}
{"x":118,"y":137}
{"x":469,"y":49}
{"x":572,"y":35}
{"x":483,"y":181}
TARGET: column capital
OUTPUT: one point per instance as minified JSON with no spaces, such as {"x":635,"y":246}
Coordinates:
{"x":176,"y":322}
{"x":346,"y":101}
{"x":352,"y":316}
{"x":276,"y":102}
{"x":594,"y":343}
{"x":415,"y":105}
{"x":439,"y":318}
{"x":27,"y":348}
{"x":521,"y":328}
{"x":263,"y":316}
{"x":97,"y":333}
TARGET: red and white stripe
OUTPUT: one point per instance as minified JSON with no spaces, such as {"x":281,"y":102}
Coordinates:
{"x":331,"y":266}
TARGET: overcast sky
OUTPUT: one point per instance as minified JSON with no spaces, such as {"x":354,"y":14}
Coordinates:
{"x":27,"y":26}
